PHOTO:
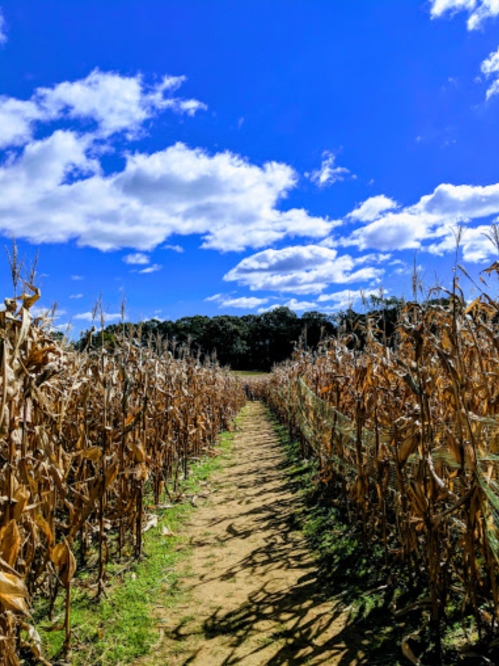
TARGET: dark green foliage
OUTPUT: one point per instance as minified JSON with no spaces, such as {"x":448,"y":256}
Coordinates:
{"x":257,"y":342}
{"x":249,"y":342}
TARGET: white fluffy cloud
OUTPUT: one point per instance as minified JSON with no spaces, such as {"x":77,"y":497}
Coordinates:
{"x":429,"y":224}
{"x":50,"y":312}
{"x":244,"y":302}
{"x":114,"y":102}
{"x":490,"y":68}
{"x":54,"y":191}
{"x":292,"y":304}
{"x":328,"y":173}
{"x":478,"y":10}
{"x":300,"y":269}
{"x":477,"y":246}
{"x":340,"y":300}
{"x":372,"y":208}
{"x":89,"y":316}
{"x":394,"y":231}
{"x":110,"y":102}
{"x":300,"y":306}
{"x":136,"y":258}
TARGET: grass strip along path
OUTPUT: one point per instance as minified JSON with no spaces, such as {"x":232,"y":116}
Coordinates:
{"x":250,"y":591}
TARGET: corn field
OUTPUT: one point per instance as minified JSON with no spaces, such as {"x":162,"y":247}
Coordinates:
{"x":405,"y":432}
{"x":85,"y":437}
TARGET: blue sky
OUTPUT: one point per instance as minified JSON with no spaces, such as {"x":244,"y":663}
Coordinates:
{"x":218,"y":157}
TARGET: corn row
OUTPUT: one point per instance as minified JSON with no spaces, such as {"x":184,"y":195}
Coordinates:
{"x":85,"y":439}
{"x":406,"y":433}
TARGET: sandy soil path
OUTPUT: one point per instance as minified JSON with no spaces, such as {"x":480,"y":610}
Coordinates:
{"x":251,"y":593}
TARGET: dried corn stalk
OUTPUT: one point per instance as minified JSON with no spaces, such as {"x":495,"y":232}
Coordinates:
{"x":408,"y":434}
{"x":83,"y":438}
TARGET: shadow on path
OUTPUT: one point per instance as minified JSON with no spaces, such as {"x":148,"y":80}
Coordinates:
{"x":256,"y":595}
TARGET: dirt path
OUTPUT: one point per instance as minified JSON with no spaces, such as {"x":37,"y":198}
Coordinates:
{"x":251,"y":593}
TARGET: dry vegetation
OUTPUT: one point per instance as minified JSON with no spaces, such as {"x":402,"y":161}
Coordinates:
{"x":406,"y":434}
{"x":85,"y":439}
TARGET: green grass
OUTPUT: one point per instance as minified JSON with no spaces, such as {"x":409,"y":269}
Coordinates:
{"x":121,"y":628}
{"x":250,"y":373}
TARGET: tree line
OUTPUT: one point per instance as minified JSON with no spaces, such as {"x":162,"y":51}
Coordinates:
{"x":254,"y":342}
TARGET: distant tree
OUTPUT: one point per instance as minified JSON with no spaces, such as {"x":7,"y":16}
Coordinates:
{"x":57,"y":335}
{"x":226,"y":336}
{"x":316,"y":326}
{"x":256,"y":342}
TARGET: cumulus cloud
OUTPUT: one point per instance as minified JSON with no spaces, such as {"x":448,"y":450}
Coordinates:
{"x":478,"y":10}
{"x":111,"y":102}
{"x":89,"y":316}
{"x":429,"y":224}
{"x":136,"y":258}
{"x":55,"y":191}
{"x":43,"y":311}
{"x":394,"y":231}
{"x":300,"y":269}
{"x":347,"y":298}
{"x":292,"y":304}
{"x":490,"y":68}
{"x":115,"y":102}
{"x":244,"y":302}
{"x":477,"y":246}
{"x":328,"y":173}
{"x":73,"y":296}
{"x":340,"y":300}
{"x":372,"y":208}
{"x":65,"y":328}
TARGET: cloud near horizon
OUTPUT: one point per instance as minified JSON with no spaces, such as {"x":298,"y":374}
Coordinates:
{"x":242,"y":302}
{"x":302,"y":269}
{"x":340,"y":300}
{"x":430,"y":223}
{"x":90,"y":316}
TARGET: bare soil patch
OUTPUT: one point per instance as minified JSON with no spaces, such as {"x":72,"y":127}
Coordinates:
{"x":251,"y":593}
